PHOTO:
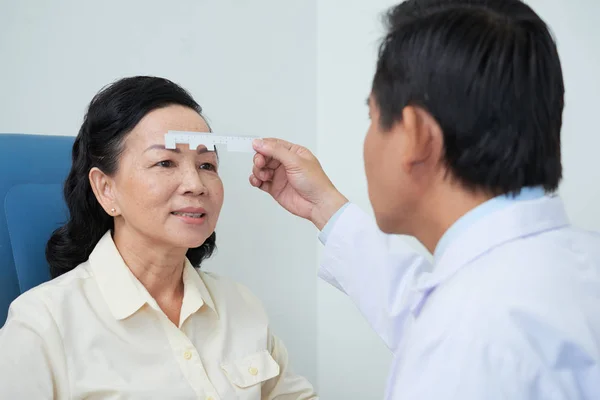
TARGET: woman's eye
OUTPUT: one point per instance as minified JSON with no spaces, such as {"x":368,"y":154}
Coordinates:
{"x":165,"y":164}
{"x":208,"y":166}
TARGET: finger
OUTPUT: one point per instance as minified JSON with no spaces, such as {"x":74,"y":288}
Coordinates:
{"x":254,"y":181}
{"x":278,"y":149}
{"x":272,"y":163}
{"x":274,"y":142}
{"x":264,"y":186}
{"x":259,"y":160}
{"x":264,"y":174}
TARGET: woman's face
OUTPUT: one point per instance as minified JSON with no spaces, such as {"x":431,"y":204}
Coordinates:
{"x":166,"y":197}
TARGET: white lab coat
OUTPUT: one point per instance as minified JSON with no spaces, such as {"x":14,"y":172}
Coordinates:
{"x":511,"y":309}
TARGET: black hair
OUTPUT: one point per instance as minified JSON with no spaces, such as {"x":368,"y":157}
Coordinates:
{"x":111,"y":116}
{"x":489,"y":73}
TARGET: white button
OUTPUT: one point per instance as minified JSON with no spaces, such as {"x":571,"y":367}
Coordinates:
{"x":210,"y":398}
{"x":253,"y":371}
{"x":187,"y":355}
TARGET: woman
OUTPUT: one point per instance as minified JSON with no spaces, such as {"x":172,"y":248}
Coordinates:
{"x":128,"y":316}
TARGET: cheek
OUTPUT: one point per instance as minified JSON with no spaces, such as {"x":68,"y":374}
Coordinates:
{"x":367,"y":150}
{"x":371,"y":152}
{"x":145,"y":191}
{"x":216,"y":190}
{"x":382,"y":165}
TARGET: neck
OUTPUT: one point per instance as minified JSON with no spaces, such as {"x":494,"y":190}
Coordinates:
{"x":442,"y":209}
{"x":160,"y":270}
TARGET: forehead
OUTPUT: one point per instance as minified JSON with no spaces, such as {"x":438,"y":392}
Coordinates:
{"x":153,"y":127}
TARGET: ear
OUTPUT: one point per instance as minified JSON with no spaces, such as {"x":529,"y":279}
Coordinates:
{"x":103,"y":188}
{"x":423,"y":140}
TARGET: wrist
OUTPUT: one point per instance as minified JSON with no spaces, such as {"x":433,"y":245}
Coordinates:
{"x":326,"y":208}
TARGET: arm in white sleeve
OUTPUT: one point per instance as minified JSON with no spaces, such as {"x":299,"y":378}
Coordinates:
{"x":359,"y":261}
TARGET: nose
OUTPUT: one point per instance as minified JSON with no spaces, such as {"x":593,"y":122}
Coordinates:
{"x":191,"y":181}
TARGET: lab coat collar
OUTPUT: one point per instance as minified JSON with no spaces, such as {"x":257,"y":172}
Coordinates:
{"x":521,"y":219}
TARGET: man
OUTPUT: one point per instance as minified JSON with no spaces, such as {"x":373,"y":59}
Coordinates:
{"x":463,"y":153}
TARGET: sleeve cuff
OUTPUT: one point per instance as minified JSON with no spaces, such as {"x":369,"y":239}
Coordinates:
{"x":330,"y":224}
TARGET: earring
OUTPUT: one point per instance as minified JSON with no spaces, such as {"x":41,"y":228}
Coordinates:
{"x":112,"y":211}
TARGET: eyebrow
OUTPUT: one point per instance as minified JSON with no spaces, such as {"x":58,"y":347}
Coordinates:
{"x":201,"y":150}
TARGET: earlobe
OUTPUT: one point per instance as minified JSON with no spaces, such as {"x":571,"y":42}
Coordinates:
{"x":102,"y":188}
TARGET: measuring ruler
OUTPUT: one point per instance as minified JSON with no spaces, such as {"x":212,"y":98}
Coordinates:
{"x":235,"y":143}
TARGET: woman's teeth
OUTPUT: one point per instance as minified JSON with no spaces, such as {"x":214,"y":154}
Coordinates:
{"x":186,"y":214}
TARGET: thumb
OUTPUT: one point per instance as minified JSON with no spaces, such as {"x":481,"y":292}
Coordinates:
{"x":277,"y":149}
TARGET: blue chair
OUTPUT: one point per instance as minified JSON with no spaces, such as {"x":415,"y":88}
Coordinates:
{"x":32,"y":171}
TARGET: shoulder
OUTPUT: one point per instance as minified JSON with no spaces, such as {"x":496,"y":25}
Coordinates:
{"x":530,"y":305}
{"x":550,"y":275}
{"x":226,"y":292}
{"x":225,"y":285}
{"x":39,"y":305}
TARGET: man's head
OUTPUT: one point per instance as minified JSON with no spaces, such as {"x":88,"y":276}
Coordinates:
{"x":467,"y":96}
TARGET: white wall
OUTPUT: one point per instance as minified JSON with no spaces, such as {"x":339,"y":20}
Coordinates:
{"x":56,"y":55}
{"x":353,"y":362}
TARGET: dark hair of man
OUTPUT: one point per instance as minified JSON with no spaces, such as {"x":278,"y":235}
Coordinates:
{"x":489,"y":73}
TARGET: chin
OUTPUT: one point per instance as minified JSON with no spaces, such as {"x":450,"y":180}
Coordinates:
{"x":385,"y":227}
{"x":387,"y":224}
{"x":189,"y":241}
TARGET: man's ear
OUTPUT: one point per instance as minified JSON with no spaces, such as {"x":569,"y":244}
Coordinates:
{"x":423,"y":140}
{"x":103,"y":188}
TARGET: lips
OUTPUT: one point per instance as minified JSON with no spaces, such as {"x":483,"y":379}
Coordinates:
{"x":191,"y":215}
{"x":190,"y":212}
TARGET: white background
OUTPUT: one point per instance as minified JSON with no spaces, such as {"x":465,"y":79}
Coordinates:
{"x":298,"y":70}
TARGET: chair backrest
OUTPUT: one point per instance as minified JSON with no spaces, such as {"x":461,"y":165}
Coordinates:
{"x":32,"y":172}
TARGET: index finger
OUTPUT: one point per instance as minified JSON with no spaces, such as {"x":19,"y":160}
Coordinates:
{"x":261,"y":161}
{"x":273,"y":143}
{"x":279,"y":149}
{"x":276,"y":142}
